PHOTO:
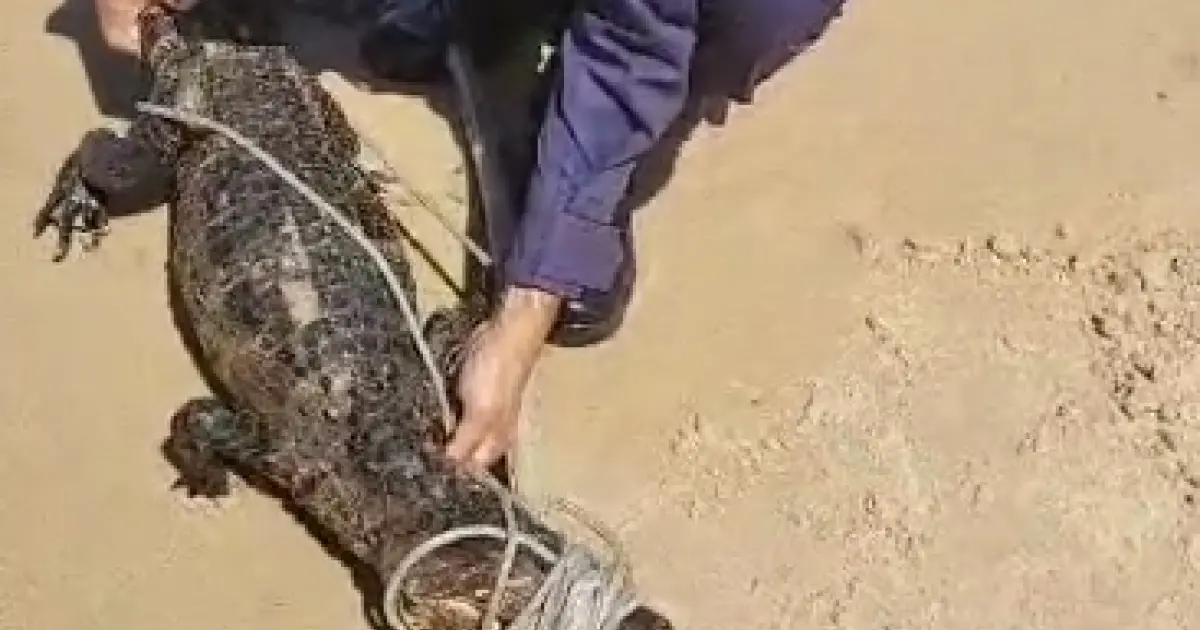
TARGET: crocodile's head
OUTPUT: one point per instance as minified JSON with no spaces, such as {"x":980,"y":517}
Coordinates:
{"x":158,"y":33}
{"x":181,"y":41}
{"x":168,"y":26}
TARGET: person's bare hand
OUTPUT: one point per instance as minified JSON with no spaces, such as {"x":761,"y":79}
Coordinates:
{"x":118,"y":21}
{"x":500,"y":359}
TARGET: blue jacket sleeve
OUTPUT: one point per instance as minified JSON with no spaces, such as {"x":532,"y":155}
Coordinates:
{"x":624,"y":79}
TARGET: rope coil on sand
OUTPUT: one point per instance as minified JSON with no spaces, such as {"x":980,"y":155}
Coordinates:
{"x":577,"y":593}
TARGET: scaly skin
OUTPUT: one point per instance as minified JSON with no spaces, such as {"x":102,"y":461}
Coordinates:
{"x":325,"y":397}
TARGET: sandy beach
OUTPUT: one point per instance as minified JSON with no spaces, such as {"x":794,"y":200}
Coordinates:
{"x":914,"y":347}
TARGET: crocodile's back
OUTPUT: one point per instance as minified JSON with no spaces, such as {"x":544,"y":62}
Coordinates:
{"x":282,"y":298}
{"x":285,"y":304}
{"x":305,"y":335}
{"x":291,"y":314}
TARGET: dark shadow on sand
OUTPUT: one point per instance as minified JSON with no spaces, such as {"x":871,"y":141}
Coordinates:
{"x":112,"y":77}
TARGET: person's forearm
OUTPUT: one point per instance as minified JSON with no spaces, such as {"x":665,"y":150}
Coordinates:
{"x":623,"y":81}
{"x":527,"y":315}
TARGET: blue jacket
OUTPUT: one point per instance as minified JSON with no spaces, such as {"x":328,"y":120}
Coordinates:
{"x":627,"y":68}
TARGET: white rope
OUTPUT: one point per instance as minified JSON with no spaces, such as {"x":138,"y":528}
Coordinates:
{"x":577,"y":593}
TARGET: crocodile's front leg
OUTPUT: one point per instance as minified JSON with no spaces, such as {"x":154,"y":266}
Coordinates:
{"x":210,"y":439}
{"x":106,"y":170}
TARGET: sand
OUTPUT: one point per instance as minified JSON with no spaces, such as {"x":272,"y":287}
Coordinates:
{"x":914,"y":347}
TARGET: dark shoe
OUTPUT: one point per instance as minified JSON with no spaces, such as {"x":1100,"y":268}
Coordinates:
{"x":596,"y":317}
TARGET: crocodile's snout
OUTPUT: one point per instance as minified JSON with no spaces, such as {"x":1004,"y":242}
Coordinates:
{"x":155,"y":22}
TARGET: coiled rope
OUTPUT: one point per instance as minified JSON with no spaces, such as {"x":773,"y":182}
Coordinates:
{"x":578,"y":593}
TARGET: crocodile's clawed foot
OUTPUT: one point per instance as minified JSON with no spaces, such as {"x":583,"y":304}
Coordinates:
{"x":72,"y":206}
{"x":199,"y":430}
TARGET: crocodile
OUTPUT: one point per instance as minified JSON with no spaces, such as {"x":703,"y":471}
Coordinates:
{"x":320,"y":394}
